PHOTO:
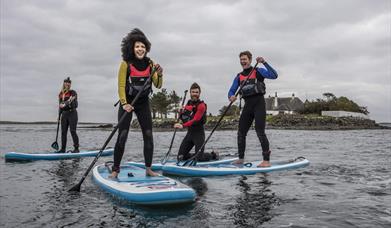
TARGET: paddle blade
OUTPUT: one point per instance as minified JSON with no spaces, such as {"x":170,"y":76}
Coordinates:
{"x":164,"y":161}
{"x":55,"y":146}
{"x":75,"y":188}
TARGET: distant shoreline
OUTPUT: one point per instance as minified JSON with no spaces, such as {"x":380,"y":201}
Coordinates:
{"x":282,"y":122}
{"x":43,"y":122}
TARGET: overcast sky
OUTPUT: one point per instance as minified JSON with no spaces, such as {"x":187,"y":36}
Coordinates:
{"x":341,"y":46}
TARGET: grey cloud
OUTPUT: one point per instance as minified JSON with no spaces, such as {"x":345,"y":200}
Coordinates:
{"x":317,"y":46}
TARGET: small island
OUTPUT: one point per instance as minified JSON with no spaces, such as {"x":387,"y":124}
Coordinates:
{"x":329,"y":113}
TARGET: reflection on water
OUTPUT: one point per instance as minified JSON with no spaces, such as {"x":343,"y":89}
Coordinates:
{"x":198,"y":184}
{"x":254,"y":204}
{"x":346,"y":185}
{"x":65,"y":170}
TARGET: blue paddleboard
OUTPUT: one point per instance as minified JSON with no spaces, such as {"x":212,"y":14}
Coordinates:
{"x":15,"y":156}
{"x":159,"y":166}
{"x":230,"y":169}
{"x":134,"y":186}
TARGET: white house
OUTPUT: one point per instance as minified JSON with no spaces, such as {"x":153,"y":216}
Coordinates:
{"x":283,"y":105}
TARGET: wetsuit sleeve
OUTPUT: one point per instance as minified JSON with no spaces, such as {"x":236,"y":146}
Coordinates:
{"x":201,"y":109}
{"x":157,"y":79}
{"x":74,"y":103}
{"x":269,"y":72}
{"x":234,"y":87}
{"x":59,"y":98}
{"x":122,"y":82}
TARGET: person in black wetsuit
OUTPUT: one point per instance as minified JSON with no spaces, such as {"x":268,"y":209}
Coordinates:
{"x":134,"y":70}
{"x":254,"y":107}
{"x":193,"y":116}
{"x":67,"y":100}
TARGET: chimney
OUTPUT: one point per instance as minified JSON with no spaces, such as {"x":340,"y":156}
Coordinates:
{"x":275,"y":101}
{"x":293,"y":96}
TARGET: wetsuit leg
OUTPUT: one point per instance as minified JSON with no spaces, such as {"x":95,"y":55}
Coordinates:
{"x":245,"y":121}
{"x":260,"y":122}
{"x":198,"y":139}
{"x":144,"y":117}
{"x":73,"y":119}
{"x":64,"y":130}
{"x":123,"y":131}
{"x":186,"y":146}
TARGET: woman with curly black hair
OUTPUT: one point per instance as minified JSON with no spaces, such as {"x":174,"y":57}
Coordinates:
{"x":134,"y":70}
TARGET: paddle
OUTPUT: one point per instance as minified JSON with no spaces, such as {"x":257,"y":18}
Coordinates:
{"x":164,"y":160}
{"x":77,"y":186}
{"x":55,"y":144}
{"x":192,"y":161}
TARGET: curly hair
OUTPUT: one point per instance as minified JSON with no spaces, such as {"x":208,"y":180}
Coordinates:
{"x":127,"y":45}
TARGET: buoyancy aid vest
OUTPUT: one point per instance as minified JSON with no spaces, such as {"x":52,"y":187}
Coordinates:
{"x":137,"y":79}
{"x":64,"y":98}
{"x":253,"y":86}
{"x":190,"y":110}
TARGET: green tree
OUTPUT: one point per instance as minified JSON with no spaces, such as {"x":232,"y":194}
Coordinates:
{"x":332,"y":103}
{"x":233,"y":111}
{"x":329,"y":96}
{"x":175,"y":102}
{"x":159,"y":103}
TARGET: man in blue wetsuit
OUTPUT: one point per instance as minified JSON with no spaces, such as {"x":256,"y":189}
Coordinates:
{"x":254,"y":107}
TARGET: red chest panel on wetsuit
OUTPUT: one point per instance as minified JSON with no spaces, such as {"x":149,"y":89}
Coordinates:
{"x":65,"y":96}
{"x":134,"y":73}
{"x":253,"y":75}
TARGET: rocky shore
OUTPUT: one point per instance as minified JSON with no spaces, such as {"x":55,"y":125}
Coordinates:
{"x":293,"y":122}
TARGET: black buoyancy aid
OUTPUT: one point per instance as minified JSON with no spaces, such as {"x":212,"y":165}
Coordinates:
{"x":253,"y":86}
{"x":64,"y":99}
{"x":137,"y":79}
{"x":190,"y":110}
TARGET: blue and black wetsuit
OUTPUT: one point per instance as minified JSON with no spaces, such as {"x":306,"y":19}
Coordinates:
{"x":254,"y":108}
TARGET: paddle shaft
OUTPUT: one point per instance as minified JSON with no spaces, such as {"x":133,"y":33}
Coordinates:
{"x":220,"y":119}
{"x":77,"y":186}
{"x":58,"y":123}
{"x":173,"y":136}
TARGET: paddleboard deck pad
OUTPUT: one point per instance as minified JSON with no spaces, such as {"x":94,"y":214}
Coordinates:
{"x":159,"y":166}
{"x":134,"y":186}
{"x":231,"y":169}
{"x":15,"y":156}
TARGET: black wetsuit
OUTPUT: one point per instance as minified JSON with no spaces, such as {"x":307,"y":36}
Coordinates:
{"x":69,"y":119}
{"x":195,"y":132}
{"x":143,"y":112}
{"x":254,"y":108}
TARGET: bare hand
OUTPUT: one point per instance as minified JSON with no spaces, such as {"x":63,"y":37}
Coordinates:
{"x":159,"y":69}
{"x":62,"y":105}
{"x":128,"y":108}
{"x":178,"y":125}
{"x":260,"y":59}
{"x":232,"y":98}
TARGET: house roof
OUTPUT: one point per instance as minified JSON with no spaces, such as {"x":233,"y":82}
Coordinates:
{"x":284,"y":104}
